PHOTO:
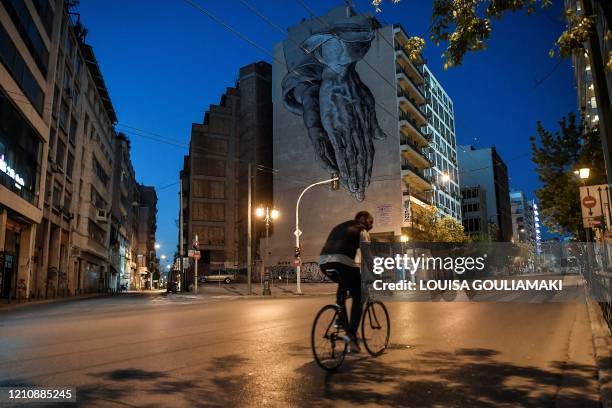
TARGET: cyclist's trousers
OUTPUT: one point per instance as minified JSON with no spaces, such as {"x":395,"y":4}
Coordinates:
{"x":348,"y":278}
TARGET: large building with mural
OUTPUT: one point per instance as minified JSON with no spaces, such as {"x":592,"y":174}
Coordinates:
{"x":350,"y":102}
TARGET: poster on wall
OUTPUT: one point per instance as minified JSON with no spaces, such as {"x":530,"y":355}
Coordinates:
{"x":383,"y":215}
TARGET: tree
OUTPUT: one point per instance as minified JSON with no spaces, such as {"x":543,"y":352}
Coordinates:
{"x":466,"y":26}
{"x":556,"y":157}
{"x":433,"y":228}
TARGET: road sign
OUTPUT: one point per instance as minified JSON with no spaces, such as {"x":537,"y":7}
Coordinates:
{"x":589,"y":201}
{"x":297,"y":262}
{"x":594,"y":202}
{"x":194,"y":254}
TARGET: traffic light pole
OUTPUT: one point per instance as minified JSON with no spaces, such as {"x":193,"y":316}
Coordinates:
{"x":297,"y":233}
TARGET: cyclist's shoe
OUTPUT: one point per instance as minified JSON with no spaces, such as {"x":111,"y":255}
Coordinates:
{"x":353,"y":345}
{"x":338,"y":324}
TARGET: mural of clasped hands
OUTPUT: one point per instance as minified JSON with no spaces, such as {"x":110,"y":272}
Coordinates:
{"x":337,"y":107}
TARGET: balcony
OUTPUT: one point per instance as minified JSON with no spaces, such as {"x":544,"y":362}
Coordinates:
{"x":414,"y":177}
{"x":408,"y":106}
{"x":409,"y":128}
{"x":416,"y":155}
{"x":409,"y":85}
{"x":419,"y":197}
{"x":409,"y":67}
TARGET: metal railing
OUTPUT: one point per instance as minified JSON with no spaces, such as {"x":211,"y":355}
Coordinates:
{"x":407,"y":166}
{"x":426,"y":136}
{"x":421,"y":151}
{"x":400,"y":70}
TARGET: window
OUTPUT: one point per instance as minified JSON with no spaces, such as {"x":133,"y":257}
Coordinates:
{"x":95,"y":232}
{"x":63,"y":116}
{"x":57,"y":195}
{"x":28,"y":31}
{"x":69,"y":165}
{"x":67,"y":202}
{"x":96,"y":199}
{"x":45,"y":13}
{"x":99,"y":171}
{"x":209,"y":167}
{"x":209,"y":189}
{"x":60,"y":153}
{"x":208,"y":211}
{"x":73,"y":129}
{"x":20,"y":72}
{"x":52,"y":137}
{"x":210,"y":235}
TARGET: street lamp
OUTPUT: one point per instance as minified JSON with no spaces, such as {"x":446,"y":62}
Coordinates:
{"x":445,"y":177}
{"x":163,"y":256}
{"x":268,"y":214}
{"x":157,"y":245}
{"x":404,"y":238}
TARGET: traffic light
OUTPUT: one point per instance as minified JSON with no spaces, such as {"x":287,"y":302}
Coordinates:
{"x":196,"y":243}
{"x":298,"y":252}
{"x":335,"y":184}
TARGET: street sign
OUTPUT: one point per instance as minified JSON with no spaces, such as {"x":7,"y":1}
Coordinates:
{"x":196,"y":255}
{"x":589,"y":201}
{"x":297,"y":262}
{"x":192,"y":253}
{"x":595,"y":205}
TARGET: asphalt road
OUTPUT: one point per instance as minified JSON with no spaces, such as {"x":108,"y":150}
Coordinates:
{"x":154,"y":351}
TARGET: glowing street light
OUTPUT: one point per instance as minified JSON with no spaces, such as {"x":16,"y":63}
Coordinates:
{"x":584,"y":173}
{"x":445,"y":178}
{"x":157,"y":245}
{"x":268,"y":215}
{"x":404,"y":238}
{"x":163,"y":256}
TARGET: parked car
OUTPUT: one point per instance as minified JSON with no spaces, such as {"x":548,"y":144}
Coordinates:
{"x":216,"y":277}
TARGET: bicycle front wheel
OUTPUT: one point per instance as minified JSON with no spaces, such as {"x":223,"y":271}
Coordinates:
{"x":327,"y":346}
{"x":375,"y":328}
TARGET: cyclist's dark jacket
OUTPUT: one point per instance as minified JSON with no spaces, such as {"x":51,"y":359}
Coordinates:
{"x":342,"y":243}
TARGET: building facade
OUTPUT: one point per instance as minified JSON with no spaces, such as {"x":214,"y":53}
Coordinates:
{"x":235,"y":135}
{"x":29,"y":34}
{"x":124,"y":218}
{"x":147,"y":264}
{"x":474,"y":211}
{"x":57,"y":151}
{"x":484,"y":168}
{"x":444,"y":173}
{"x":523,"y":221}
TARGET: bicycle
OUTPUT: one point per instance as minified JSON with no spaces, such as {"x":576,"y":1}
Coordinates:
{"x":328,"y":346}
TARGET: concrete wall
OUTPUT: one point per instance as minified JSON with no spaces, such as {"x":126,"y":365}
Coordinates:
{"x":294,"y":158}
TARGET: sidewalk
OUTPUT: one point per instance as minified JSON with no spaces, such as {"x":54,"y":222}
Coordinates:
{"x":5,"y":306}
{"x":277,"y":289}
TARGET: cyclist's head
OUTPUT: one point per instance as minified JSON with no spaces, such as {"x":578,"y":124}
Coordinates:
{"x":365,"y":218}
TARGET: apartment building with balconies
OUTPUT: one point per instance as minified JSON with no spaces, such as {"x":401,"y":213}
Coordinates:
{"x":444,"y":172}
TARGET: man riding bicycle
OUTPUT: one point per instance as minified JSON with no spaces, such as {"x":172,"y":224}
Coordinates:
{"x":340,"y":260}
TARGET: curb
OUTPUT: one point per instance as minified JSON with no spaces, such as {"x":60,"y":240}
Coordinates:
{"x":602,"y":347}
{"x":8,"y":307}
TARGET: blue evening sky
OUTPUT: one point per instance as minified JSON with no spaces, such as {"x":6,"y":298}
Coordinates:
{"x":164,"y":62}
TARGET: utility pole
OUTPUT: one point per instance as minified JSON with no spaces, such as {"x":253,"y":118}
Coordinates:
{"x":249,"y":231}
{"x":196,"y":258}
{"x":181,"y":230}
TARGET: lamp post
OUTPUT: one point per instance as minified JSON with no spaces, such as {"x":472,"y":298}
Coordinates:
{"x":298,"y":268}
{"x":268,"y":214}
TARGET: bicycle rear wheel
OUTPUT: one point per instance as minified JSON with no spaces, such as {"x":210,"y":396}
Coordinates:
{"x":327,"y":346}
{"x":375,"y":328}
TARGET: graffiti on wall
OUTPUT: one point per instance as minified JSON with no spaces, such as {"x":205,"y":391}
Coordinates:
{"x":310,"y":272}
{"x":338,"y":109}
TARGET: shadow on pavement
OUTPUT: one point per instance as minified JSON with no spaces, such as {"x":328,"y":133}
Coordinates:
{"x":466,"y":377}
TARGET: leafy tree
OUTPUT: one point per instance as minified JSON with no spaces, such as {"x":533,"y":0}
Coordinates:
{"x":433,"y":228}
{"x":466,"y":26}
{"x":556,"y":157}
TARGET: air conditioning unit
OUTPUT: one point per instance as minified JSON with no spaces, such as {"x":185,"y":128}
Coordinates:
{"x":102,"y":216}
